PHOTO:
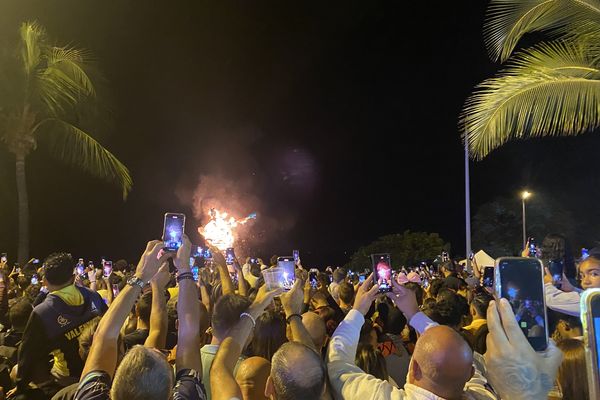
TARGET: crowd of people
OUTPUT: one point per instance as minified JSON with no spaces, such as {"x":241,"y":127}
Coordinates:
{"x":183,"y":328}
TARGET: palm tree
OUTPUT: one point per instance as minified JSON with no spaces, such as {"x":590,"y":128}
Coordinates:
{"x":550,"y":89}
{"x":52,"y":84}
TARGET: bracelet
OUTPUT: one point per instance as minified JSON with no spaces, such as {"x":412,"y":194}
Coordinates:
{"x":245,"y":314}
{"x":185,"y":274}
{"x":288,"y":319}
{"x":92,"y":281}
{"x":183,"y":277}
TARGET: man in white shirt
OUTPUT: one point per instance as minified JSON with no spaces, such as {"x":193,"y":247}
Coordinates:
{"x":441,"y":366}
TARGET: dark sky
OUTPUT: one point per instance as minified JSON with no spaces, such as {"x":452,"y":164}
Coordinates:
{"x":335,"y":120}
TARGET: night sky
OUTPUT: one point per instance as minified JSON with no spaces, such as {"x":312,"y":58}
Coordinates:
{"x":336,"y":121}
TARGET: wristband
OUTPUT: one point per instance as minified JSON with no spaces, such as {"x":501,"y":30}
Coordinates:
{"x":184,"y":277}
{"x":288,"y":319}
{"x":245,"y":314}
{"x":92,"y":281}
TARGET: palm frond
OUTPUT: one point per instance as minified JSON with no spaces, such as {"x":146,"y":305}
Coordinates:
{"x":507,"y":21}
{"x":76,"y":147}
{"x":64,"y":80}
{"x":32,"y":43}
{"x":552,"y":89}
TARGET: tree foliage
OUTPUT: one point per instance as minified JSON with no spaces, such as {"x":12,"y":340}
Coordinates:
{"x":550,"y":89}
{"x":408,"y":248}
{"x":497,"y":225}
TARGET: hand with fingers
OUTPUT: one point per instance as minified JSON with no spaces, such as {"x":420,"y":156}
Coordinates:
{"x":150,"y":262}
{"x":182,"y":258}
{"x":292,"y":301}
{"x":162,"y":277}
{"x":365,"y":295}
{"x":514,"y":368}
{"x":405,"y":299}
{"x":263,"y":299}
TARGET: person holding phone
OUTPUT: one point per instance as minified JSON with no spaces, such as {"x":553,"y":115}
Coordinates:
{"x":567,"y":299}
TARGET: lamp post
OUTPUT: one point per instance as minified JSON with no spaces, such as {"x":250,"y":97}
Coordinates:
{"x":467,"y":208}
{"x":524,"y":196}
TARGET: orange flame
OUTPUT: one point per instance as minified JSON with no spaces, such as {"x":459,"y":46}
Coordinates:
{"x":219,"y":231}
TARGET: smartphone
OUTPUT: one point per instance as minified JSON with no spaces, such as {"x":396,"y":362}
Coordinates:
{"x":556,"y":270}
{"x":3,"y":257}
{"x":107,"y":267}
{"x":296,"y":255}
{"x":488,"y":277}
{"x":532,"y":247}
{"x":195,"y":272}
{"x":79,"y":270}
{"x":289,"y":271}
{"x":192,"y":261}
{"x":520,"y":280}
{"x":445,"y":256}
{"x":361,"y":278}
{"x":173,"y":229}
{"x":91,"y":264}
{"x":229,"y":256}
{"x":383,"y":271}
{"x":253,"y":261}
{"x":590,"y":318}
{"x":115,"y":289}
{"x":34,"y":279}
{"x":312,"y":278}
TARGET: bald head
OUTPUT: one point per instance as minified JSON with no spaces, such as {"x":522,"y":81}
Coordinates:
{"x":315,"y":326}
{"x":297,"y":372}
{"x":251,"y":376}
{"x":442,"y":362}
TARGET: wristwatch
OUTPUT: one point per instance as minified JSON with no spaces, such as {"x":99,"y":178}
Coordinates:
{"x":135,"y":281}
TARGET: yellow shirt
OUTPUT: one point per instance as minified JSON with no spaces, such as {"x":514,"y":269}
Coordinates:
{"x":476,"y":324}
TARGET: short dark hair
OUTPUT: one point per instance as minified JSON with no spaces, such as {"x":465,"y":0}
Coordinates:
{"x":19,"y":313}
{"x":144,"y":307}
{"x":346,"y":292}
{"x":444,"y":312}
{"x":395,"y":323}
{"x":58,"y":268}
{"x":227,"y":312}
{"x":480,"y":302}
{"x":435,"y":287}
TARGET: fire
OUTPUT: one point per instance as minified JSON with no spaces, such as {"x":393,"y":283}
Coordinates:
{"x":219,"y":231}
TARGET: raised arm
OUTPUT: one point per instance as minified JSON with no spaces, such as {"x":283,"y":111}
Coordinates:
{"x":243,"y":288}
{"x":188,"y":313}
{"x":157,"y":338}
{"x":222,"y":379}
{"x":219,"y":260}
{"x":292,"y":306}
{"x":103,"y":353}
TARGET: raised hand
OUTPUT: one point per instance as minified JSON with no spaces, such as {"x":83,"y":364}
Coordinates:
{"x":182,"y":261}
{"x":366,"y":295}
{"x":263,"y":299}
{"x":150,"y":262}
{"x":162,"y":276}
{"x":514,"y":369}
{"x":405,"y":299}
{"x":292,"y":301}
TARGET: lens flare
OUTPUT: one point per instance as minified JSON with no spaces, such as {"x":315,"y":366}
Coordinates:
{"x":220,"y":230}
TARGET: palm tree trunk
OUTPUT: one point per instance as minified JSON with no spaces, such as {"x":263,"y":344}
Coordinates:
{"x":23,"y":250}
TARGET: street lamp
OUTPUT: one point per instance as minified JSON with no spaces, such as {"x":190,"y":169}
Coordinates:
{"x":524,"y":196}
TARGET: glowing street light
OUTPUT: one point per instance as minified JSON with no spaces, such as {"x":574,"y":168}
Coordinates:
{"x":524,"y":196}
